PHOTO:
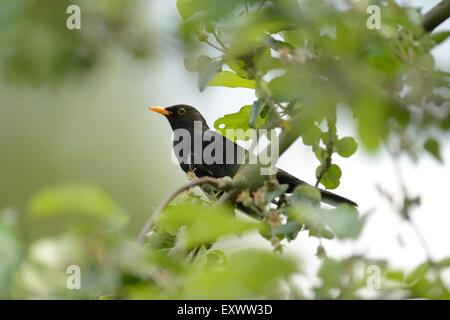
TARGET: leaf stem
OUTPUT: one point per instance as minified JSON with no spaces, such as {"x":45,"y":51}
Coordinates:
{"x":214,"y":46}
{"x":417,"y":231}
{"x":219,"y":41}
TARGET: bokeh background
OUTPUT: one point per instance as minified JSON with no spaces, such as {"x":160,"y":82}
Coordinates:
{"x":73,"y":110}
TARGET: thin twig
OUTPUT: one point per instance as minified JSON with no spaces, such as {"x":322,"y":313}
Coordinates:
{"x":217,"y":183}
{"x":214,"y":46}
{"x":438,"y":14}
{"x":422,"y":240}
{"x":219,"y":41}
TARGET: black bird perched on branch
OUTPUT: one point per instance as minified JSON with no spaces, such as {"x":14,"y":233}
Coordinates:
{"x":187,"y":122}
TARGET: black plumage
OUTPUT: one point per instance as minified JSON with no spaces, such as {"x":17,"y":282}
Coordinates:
{"x":188,"y":123}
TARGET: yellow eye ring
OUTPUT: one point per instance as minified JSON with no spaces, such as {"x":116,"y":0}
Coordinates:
{"x":181,"y":111}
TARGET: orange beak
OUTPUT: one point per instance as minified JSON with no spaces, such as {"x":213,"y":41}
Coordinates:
{"x":160,"y":110}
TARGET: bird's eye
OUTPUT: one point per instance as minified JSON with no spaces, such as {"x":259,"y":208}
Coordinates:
{"x":181,"y":111}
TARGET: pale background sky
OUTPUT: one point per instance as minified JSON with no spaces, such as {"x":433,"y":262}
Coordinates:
{"x":361,"y":172}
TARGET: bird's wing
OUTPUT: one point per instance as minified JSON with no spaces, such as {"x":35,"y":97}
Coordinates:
{"x":328,"y":197}
{"x":285,"y":178}
{"x":233,"y":156}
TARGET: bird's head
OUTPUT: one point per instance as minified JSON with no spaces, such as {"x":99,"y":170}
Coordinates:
{"x":181,"y":116}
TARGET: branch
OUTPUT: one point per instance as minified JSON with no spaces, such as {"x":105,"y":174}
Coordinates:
{"x":407,"y":216}
{"x":217,"y":183}
{"x":214,"y":46}
{"x":438,"y":14}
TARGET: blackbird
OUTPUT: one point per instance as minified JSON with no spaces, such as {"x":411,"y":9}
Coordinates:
{"x":188,"y":120}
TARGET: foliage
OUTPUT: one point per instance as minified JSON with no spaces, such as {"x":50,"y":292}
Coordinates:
{"x":113,"y":266}
{"x":36,"y":46}
{"x":304,"y":64}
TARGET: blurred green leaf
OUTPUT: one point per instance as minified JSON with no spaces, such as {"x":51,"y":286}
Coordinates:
{"x":159,"y":239}
{"x":53,"y":53}
{"x":395,"y":275}
{"x":247,"y":275}
{"x":371,"y":123}
{"x":206,"y":72}
{"x":303,"y":192}
{"x":274,"y":192}
{"x":188,"y":8}
{"x":331,"y":178}
{"x":79,"y":199}
{"x":257,"y":108}
{"x":440,"y":37}
{"x":308,"y":213}
{"x":344,"y":221}
{"x":231,"y":80}
{"x":290,"y":228}
{"x":285,"y":87}
{"x":331,"y":273}
{"x":346,"y":146}
{"x":444,"y":263}
{"x":311,"y":136}
{"x":204,"y":224}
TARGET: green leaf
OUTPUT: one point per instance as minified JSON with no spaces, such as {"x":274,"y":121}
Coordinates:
{"x":432,"y":146}
{"x":188,"y":8}
{"x":331,"y":272}
{"x":231,"y":80}
{"x":344,"y":221}
{"x":271,"y":194}
{"x":306,"y":210}
{"x":207,"y":72}
{"x":346,"y":147}
{"x":159,"y":239}
{"x":440,"y":37}
{"x":204,"y":224}
{"x":285,"y":87}
{"x":238,"y":120}
{"x":311,"y":137}
{"x":79,"y":199}
{"x":320,"y":153}
{"x":265,"y":62}
{"x":418,"y":273}
{"x":307,"y":192}
{"x":332,"y":176}
{"x":215,"y":258}
{"x":372,"y":124}
{"x":444,"y":263}
{"x":248,"y":274}
{"x":395,"y":275}
{"x":290,"y":228}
